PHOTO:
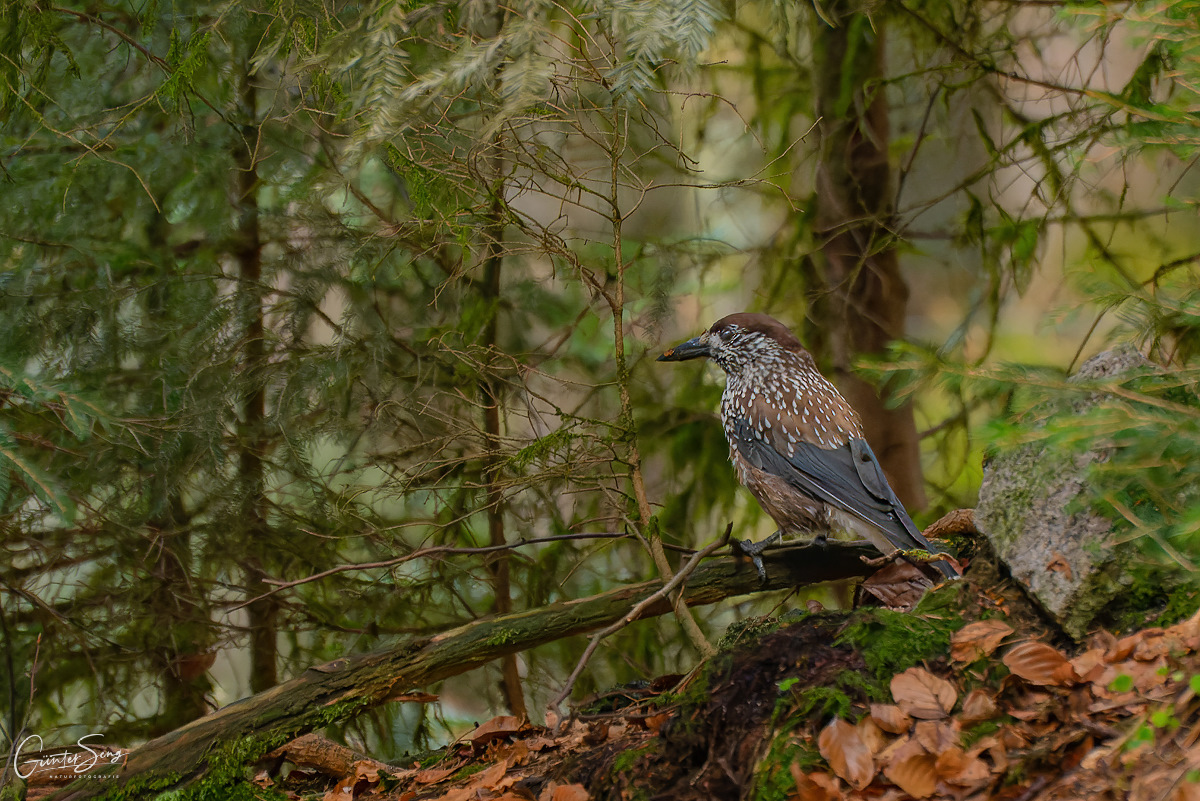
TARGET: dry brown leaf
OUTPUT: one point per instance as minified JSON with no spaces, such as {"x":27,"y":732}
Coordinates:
{"x":913,"y":770}
{"x":1153,"y":676}
{"x":655,"y":722}
{"x":541,"y":742}
{"x":955,"y":766}
{"x":950,"y":762}
{"x":1103,"y":639}
{"x":846,"y":753}
{"x":885,"y":756}
{"x":432,"y":775}
{"x":570,"y":792}
{"x":815,"y":786}
{"x":978,"y":706}
{"x":922,"y":694}
{"x":1154,"y":644}
{"x":460,"y":794}
{"x":979,"y":639}
{"x":1059,"y":564}
{"x":935,"y":736}
{"x":342,"y":791}
{"x":1188,"y":632}
{"x":1148,"y":678}
{"x":872,"y":736}
{"x":1121,"y":650}
{"x":890,"y":718}
{"x":618,"y":729}
{"x":516,"y":753}
{"x":1040,"y":664}
{"x":1089,"y":665}
{"x":496,"y":728}
{"x":1186,"y":791}
{"x":1013,"y":738}
{"x":367,"y":770}
{"x":491,"y":777}
{"x":899,"y":585}
{"x":597,"y":732}
{"x":995,"y":751}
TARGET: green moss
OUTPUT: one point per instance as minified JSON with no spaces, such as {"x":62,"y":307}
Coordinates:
{"x":141,"y":786}
{"x":431,"y":758}
{"x":227,"y":767}
{"x":744,"y":632}
{"x":504,"y":636}
{"x":228,"y":776}
{"x":823,"y":702}
{"x":13,"y":790}
{"x":240,"y":791}
{"x":773,"y":780}
{"x":626,"y":760}
{"x":1156,"y":596}
{"x":894,"y":641}
{"x":626,"y":777}
{"x":972,"y":734}
{"x":468,"y":770}
{"x":848,"y":690}
{"x":696,"y":693}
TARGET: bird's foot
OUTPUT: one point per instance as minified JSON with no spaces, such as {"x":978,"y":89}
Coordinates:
{"x":755,"y":550}
{"x":880,"y":561}
{"x":944,"y":562}
{"x":921,"y":556}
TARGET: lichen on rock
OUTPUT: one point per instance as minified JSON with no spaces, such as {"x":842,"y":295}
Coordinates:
{"x":1033,"y":509}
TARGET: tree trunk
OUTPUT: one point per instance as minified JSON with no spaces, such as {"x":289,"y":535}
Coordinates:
{"x":489,"y":390}
{"x":181,"y":659}
{"x":217,"y":747}
{"x":861,"y":295}
{"x":252,"y":443}
{"x":493,"y":411}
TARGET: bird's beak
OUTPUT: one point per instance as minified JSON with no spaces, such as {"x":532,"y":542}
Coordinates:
{"x":692,"y":349}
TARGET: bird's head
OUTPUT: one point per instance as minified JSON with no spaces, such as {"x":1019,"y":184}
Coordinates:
{"x":739,"y":342}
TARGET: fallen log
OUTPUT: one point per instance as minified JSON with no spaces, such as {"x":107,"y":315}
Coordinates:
{"x":212,"y":752}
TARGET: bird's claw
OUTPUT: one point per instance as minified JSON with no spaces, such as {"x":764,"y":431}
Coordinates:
{"x":914,"y":556}
{"x":880,"y":561}
{"x":921,"y":556}
{"x":754,"y":550}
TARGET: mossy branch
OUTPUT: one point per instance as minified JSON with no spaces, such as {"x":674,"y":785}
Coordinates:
{"x":212,"y":751}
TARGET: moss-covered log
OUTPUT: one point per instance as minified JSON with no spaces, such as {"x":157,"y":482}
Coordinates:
{"x":211,"y":753}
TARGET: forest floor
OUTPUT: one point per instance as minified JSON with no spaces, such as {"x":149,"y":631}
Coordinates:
{"x":970,"y":696}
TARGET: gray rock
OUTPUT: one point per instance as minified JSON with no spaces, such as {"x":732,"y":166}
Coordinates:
{"x":1064,"y":555}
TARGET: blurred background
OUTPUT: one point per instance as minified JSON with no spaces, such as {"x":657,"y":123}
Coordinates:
{"x":295,"y":287}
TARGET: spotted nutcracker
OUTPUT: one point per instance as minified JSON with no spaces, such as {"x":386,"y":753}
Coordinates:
{"x":796,"y":443}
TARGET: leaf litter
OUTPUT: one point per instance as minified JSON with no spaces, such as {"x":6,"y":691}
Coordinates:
{"x":1000,"y":717}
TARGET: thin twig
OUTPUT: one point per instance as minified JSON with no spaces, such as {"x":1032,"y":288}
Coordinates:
{"x":436,"y":550}
{"x":634,"y":613}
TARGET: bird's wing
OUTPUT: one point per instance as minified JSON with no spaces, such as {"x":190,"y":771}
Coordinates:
{"x":849,"y":478}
